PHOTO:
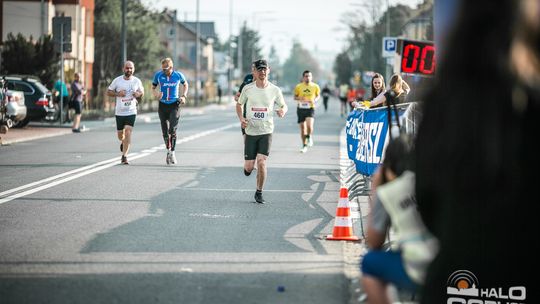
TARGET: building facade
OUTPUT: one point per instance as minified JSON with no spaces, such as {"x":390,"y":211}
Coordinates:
{"x":180,"y":39}
{"x":34,"y":18}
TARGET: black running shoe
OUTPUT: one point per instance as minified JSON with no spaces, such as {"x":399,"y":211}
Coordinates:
{"x":259,"y":198}
{"x":247,"y":173}
{"x":121,"y":147}
{"x":124,"y":160}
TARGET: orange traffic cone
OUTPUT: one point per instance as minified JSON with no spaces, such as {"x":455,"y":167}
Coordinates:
{"x":343,"y":225}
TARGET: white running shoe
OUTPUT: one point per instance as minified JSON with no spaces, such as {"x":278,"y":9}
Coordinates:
{"x":310,"y":141}
{"x":304,"y":149}
{"x":173,"y":158}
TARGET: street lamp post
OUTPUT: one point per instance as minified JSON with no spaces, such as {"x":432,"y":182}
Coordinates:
{"x":388,"y":66}
{"x":123,"y":34}
{"x":197,"y":56}
{"x":175,"y":35}
{"x":229,"y":62}
{"x":256,"y":27}
{"x":239,"y":53}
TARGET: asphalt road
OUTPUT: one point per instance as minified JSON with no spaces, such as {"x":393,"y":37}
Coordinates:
{"x":78,"y":227}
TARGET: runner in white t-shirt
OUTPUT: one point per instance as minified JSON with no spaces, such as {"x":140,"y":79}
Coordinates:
{"x":126,"y":88}
{"x":261,"y":99}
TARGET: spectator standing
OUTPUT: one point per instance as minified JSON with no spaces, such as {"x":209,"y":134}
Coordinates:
{"x":61,"y":96}
{"x":396,"y":94}
{"x":377,"y":86}
{"x":76,"y":102}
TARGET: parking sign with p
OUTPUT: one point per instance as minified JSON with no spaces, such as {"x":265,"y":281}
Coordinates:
{"x":389,"y":46}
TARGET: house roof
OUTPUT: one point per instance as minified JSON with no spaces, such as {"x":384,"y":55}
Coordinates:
{"x":207,"y":28}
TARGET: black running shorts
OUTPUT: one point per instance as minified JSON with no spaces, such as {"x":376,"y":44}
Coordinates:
{"x":303,"y":113}
{"x":257,"y":144}
{"x":122,"y":121}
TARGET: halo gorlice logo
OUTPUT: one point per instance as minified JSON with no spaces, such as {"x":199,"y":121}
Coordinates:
{"x":463,"y":283}
{"x":462,"y":287}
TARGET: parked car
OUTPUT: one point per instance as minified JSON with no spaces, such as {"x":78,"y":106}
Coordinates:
{"x":12,"y":107}
{"x":38,"y":99}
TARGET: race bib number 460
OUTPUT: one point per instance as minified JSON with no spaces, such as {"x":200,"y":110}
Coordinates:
{"x":260,"y":114}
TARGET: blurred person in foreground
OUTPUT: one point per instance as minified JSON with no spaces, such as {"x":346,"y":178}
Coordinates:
{"x":393,"y":204}
{"x":477,"y":165}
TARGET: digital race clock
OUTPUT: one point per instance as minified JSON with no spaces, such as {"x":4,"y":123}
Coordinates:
{"x":417,"y":57}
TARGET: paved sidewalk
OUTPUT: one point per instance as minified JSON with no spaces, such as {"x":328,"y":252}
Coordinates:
{"x":352,"y":251}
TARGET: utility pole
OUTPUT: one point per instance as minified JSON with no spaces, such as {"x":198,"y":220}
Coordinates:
{"x":62,"y":43}
{"x":240,"y":46}
{"x":43,"y":24}
{"x":387,"y":18}
{"x":123,"y":37}
{"x":388,"y":67}
{"x":62,"y":75}
{"x":197,"y":57}
{"x":175,"y":36}
{"x":229,"y":62}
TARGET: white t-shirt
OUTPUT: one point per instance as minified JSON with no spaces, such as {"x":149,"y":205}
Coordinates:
{"x":259,"y":103}
{"x":418,"y":246}
{"x":126,"y":105}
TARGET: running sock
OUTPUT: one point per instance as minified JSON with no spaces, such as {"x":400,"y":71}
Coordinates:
{"x":173,"y":141}
{"x":167,"y":143}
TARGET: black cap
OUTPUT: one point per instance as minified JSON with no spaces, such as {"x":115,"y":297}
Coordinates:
{"x":261,"y":63}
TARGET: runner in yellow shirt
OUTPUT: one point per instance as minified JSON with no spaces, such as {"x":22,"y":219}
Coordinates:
{"x":306,"y":93}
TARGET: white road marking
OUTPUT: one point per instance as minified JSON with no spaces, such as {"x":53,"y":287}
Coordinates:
{"x":248,"y":190}
{"x":73,"y":174}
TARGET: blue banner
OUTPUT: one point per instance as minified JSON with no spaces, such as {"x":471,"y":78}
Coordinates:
{"x":367,"y":136}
